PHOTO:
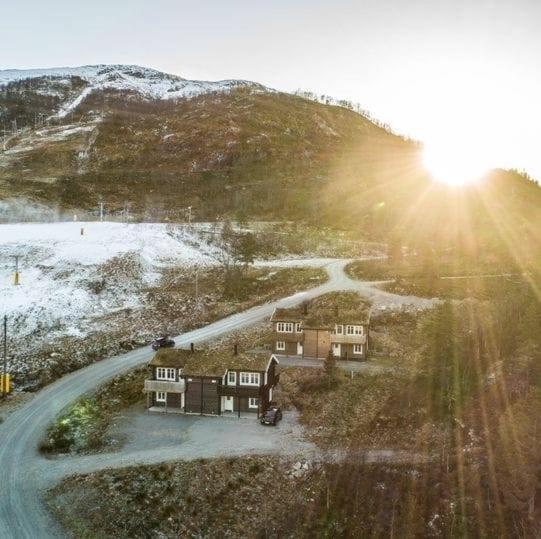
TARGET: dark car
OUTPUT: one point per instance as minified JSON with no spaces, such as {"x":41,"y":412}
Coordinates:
{"x":271,"y":416}
{"x":162,"y":342}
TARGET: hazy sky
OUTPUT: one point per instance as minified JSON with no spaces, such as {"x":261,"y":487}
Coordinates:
{"x":441,"y":71}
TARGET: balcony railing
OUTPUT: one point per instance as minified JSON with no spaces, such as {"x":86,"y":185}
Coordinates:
{"x":348,"y":339}
{"x":165,"y":385}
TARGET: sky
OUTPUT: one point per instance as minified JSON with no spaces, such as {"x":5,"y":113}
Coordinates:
{"x":463,"y":76}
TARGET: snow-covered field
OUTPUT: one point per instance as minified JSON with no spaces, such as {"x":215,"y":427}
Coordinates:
{"x":60,"y":270}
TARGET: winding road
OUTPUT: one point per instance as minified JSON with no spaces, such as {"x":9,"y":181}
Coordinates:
{"x":24,"y":472}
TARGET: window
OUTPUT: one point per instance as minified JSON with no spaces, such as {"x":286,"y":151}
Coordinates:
{"x":339,"y":330}
{"x":232,"y":378}
{"x":249,"y":378}
{"x":280,"y":345}
{"x":357,"y":348}
{"x":284,"y":327}
{"x":298,"y":327}
{"x":161,"y":396}
{"x":253,"y":403}
{"x":165,"y":374}
{"x":354,"y":330}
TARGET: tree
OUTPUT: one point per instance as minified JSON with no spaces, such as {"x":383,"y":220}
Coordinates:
{"x":245,"y":248}
{"x":330,"y":369}
{"x":518,"y":459}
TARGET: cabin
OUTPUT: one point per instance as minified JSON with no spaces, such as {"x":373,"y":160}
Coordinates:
{"x":211,"y":382}
{"x":336,"y":324}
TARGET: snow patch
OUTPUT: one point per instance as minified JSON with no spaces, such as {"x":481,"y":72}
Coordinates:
{"x":59,"y":269}
{"x":148,"y":83}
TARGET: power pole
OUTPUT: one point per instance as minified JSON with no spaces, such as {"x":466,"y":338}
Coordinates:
{"x":197,"y":287}
{"x":4,"y":378}
{"x":126,"y":212}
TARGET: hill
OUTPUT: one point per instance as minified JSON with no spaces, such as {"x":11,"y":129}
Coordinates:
{"x":160,"y":143}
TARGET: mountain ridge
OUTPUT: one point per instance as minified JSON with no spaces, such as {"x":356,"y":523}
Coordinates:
{"x":146,"y":82}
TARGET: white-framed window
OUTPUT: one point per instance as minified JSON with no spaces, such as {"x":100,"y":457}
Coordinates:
{"x":161,"y":396}
{"x":280,"y":345}
{"x":253,"y":403}
{"x":284,"y":327}
{"x":298,"y":327}
{"x":354,"y":330}
{"x":232,"y":378}
{"x":357,"y":348}
{"x":339,"y":329}
{"x":249,"y":378}
{"x":336,"y":350}
{"x":163,"y":373}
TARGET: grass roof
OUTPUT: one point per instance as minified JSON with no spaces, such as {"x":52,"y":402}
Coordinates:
{"x":210,"y":362}
{"x":170,"y":357}
{"x":327,"y":310}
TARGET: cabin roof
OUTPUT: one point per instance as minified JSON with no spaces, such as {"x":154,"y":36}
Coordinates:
{"x":170,"y":357}
{"x":327,"y":310}
{"x":210,"y":362}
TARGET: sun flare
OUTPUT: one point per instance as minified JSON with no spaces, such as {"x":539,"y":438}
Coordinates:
{"x":454,"y":166}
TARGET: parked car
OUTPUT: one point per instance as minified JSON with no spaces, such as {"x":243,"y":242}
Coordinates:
{"x":271,"y":416}
{"x":162,"y":342}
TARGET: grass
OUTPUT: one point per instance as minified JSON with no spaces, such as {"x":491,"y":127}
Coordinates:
{"x":82,"y":428}
{"x":216,"y":498}
{"x":411,"y":277}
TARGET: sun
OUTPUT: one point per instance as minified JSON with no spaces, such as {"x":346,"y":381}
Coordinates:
{"x":454,"y":165}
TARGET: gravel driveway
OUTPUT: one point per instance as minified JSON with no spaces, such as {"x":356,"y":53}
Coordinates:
{"x":151,"y":438}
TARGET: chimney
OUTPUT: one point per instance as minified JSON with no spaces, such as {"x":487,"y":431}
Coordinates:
{"x":192,"y":347}
{"x":236,"y":349}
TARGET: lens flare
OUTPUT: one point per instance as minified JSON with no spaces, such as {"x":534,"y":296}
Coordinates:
{"x":454,"y":166}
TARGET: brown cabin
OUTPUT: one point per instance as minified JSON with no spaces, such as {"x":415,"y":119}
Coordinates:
{"x":211,"y":382}
{"x":336,"y":324}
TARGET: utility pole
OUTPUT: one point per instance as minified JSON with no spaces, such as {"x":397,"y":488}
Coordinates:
{"x":197,"y":287}
{"x":101,"y":211}
{"x":4,"y":378}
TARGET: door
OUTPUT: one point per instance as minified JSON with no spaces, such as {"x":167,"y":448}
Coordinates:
{"x":299,"y":349}
{"x":336,"y":350}
{"x":228,"y":404}
{"x":202,"y":396}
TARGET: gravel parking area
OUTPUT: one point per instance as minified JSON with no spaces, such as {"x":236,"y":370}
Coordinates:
{"x":150,"y":438}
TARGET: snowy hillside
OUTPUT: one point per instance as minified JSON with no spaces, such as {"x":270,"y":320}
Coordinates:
{"x":148,"y":83}
{"x":67,"y":278}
